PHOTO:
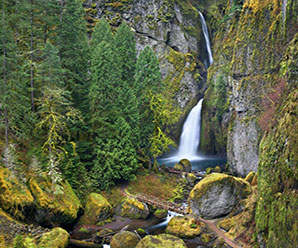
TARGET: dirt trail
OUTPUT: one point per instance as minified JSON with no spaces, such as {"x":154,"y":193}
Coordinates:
{"x":177,"y":209}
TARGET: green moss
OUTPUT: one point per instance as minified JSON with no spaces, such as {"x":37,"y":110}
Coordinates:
{"x":57,"y":238}
{"x":124,"y":240}
{"x":64,"y":206}
{"x":161,"y":241}
{"x":97,"y":209}
{"x":14,"y":195}
{"x":161,"y":213}
{"x":184,"y":227}
{"x":206,"y":238}
{"x":277,"y":176}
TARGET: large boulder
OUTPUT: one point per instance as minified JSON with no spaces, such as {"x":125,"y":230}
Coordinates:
{"x":56,"y":238}
{"x":184,"y":227}
{"x":183,"y":165}
{"x":15,"y":197}
{"x":124,"y":240}
{"x":54,"y":208}
{"x":133,"y":209}
{"x":161,"y":241}
{"x":217,"y":195}
{"x":97,"y":210}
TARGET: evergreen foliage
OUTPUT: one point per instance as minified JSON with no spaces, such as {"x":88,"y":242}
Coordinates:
{"x":102,"y":32}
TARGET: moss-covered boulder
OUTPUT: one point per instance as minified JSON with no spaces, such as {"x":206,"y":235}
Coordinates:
{"x":184,"y":227}
{"x":56,"y":238}
{"x":217,"y":195}
{"x":133,"y":209}
{"x":15,"y":197}
{"x":161,"y":213}
{"x":97,"y":210}
{"x":54,"y":208}
{"x":124,"y":240}
{"x":183,"y":165}
{"x":191,"y":178}
{"x":161,"y":241}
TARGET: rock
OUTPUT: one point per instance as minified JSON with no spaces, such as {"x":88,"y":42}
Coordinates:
{"x":183,"y":165}
{"x":15,"y":197}
{"x":103,"y":236}
{"x":133,"y":209}
{"x":217,"y":195}
{"x":56,"y":238}
{"x":184,"y":227}
{"x":161,"y":241}
{"x":161,"y":213}
{"x":191,"y":178}
{"x":54,"y":209}
{"x":124,"y":240}
{"x":97,"y":209}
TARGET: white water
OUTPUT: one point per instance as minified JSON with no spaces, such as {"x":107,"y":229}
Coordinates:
{"x":206,"y":35}
{"x":166,"y":221}
{"x":190,"y":137}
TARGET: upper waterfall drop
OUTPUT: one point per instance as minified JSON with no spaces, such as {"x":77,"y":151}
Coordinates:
{"x":206,"y":35}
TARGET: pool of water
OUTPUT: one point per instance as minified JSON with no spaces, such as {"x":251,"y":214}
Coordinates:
{"x":199,"y":163}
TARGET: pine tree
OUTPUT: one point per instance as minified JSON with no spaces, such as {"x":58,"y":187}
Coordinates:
{"x":102,"y":32}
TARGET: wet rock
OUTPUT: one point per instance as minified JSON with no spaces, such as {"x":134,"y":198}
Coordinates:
{"x":217,"y":195}
{"x":124,"y":240}
{"x":133,"y":209}
{"x":54,"y":208}
{"x":161,"y":241}
{"x":192,"y":179}
{"x":161,"y":213}
{"x":97,"y":209}
{"x":183,"y":165}
{"x":57,"y":238}
{"x":184,"y":227}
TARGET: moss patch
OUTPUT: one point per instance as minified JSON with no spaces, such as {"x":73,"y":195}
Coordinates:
{"x":14,"y":195}
{"x":97,"y":209}
{"x":61,"y":208}
{"x":161,"y":241}
{"x":57,"y":238}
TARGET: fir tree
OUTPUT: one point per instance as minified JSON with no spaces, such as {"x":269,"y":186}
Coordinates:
{"x":102,"y":32}
{"x":148,"y":82}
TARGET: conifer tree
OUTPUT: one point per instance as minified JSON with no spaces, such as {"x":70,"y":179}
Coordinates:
{"x":102,"y":32}
{"x":72,"y":42}
{"x":148,"y":82}
{"x":125,"y":46}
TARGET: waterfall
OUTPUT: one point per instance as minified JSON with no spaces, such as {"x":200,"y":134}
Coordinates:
{"x":190,"y":137}
{"x":206,"y":35}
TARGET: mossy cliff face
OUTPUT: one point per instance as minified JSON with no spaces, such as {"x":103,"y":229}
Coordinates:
{"x":276,"y":214}
{"x":173,"y":29}
{"x":244,"y":84}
